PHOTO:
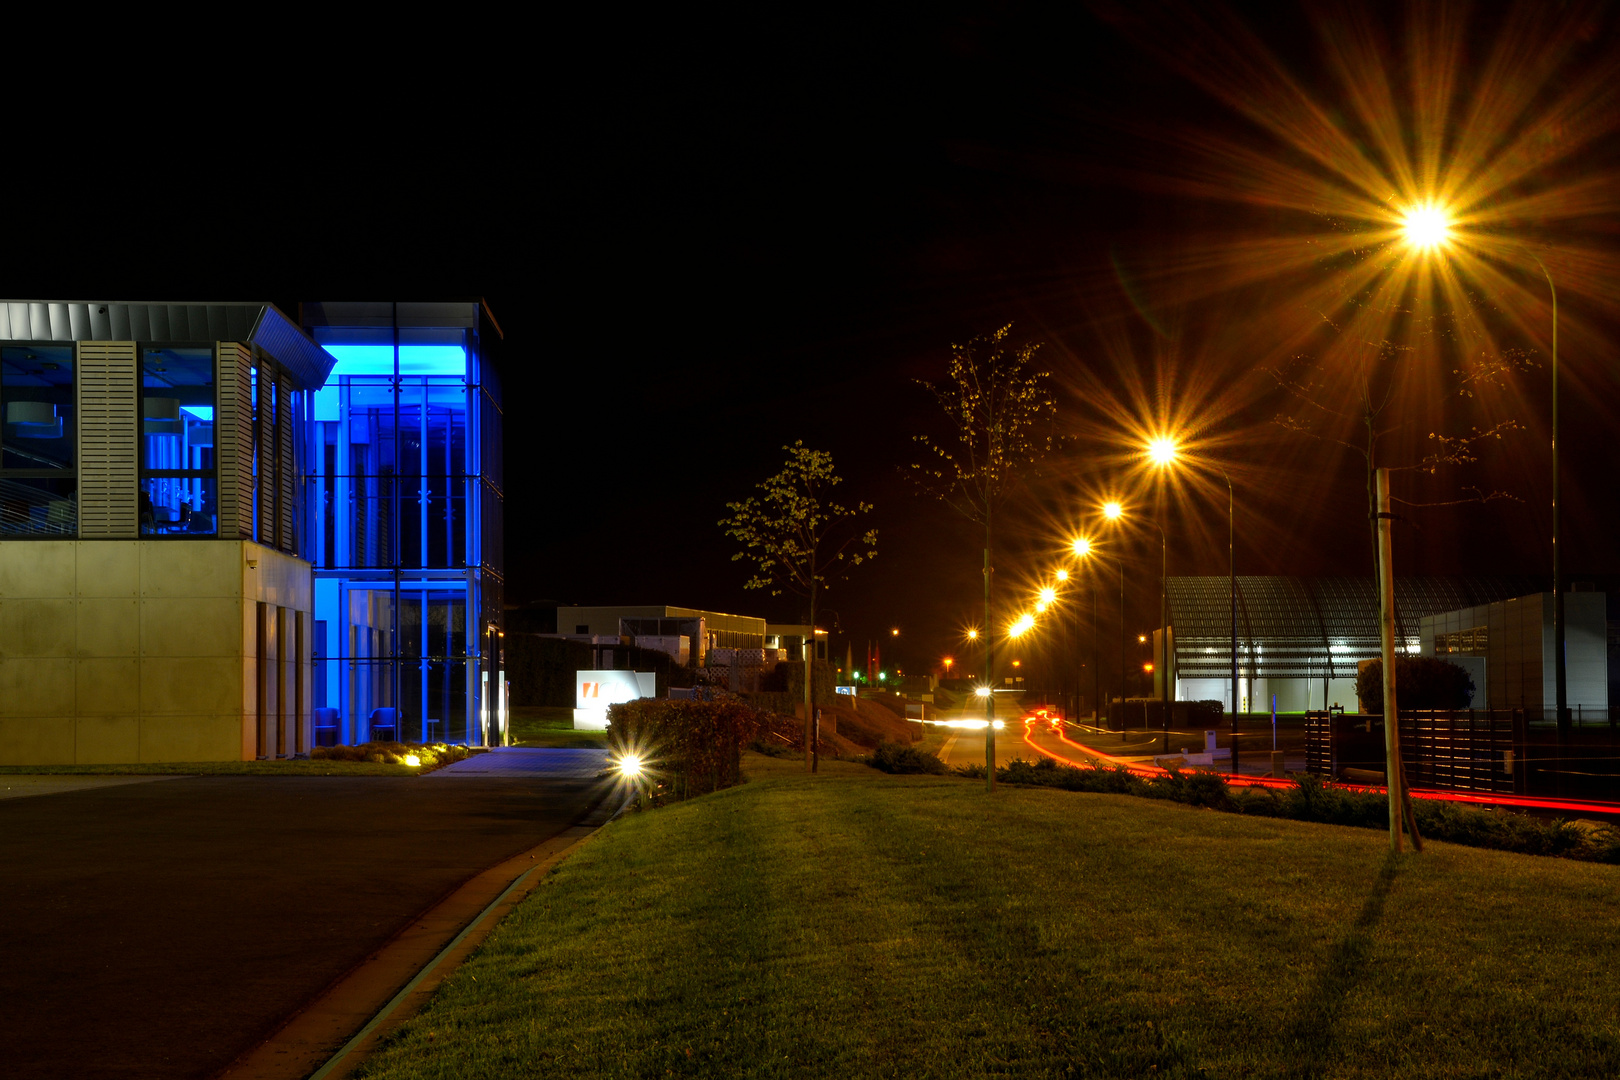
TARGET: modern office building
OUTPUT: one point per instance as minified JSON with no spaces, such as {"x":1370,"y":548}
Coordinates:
{"x":404,"y":487}
{"x":170,"y":474}
{"x":1508,"y":645}
{"x":1301,"y":639}
{"x":687,"y":634}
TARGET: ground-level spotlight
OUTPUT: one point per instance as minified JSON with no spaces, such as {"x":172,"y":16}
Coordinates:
{"x":630,"y":767}
{"x":981,"y":691}
{"x":412,"y":760}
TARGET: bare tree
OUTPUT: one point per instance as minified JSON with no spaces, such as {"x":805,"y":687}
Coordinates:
{"x":999,"y":409}
{"x":799,"y":541}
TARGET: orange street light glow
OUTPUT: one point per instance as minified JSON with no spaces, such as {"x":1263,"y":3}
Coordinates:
{"x":1025,"y":623}
{"x":1048,"y":595}
{"x":1062,"y":574}
{"x":1162,"y":451}
{"x":1426,"y":227}
{"x":1113,"y":511}
{"x":973,"y":635}
{"x":895,"y":632}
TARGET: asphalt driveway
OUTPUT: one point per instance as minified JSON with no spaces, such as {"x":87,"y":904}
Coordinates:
{"x":160,"y":929}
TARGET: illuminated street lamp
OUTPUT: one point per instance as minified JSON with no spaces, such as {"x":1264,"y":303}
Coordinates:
{"x":1115,"y":512}
{"x":1083,"y":548}
{"x":1427,"y":228}
{"x":1164,"y":452}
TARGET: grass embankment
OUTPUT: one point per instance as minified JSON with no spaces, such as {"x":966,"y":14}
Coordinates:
{"x":865,"y":925}
{"x":547,"y":726}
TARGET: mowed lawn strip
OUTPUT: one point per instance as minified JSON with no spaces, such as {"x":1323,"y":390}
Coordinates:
{"x":864,"y":925}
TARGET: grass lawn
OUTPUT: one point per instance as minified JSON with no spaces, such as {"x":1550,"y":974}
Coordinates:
{"x":218,"y":768}
{"x":544,"y":725}
{"x":862,"y":925}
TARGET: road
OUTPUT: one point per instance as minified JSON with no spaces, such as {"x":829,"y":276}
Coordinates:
{"x":160,"y":929}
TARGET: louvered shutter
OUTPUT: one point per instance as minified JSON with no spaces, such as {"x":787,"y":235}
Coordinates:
{"x":109,"y":430}
{"x":233,"y":439}
{"x":286,"y":474}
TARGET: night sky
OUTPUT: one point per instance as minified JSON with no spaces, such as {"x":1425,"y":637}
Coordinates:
{"x":708,"y":236}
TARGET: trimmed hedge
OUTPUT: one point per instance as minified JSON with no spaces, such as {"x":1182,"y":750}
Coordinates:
{"x":893,"y":757}
{"x":1311,"y":800}
{"x":696,"y":745}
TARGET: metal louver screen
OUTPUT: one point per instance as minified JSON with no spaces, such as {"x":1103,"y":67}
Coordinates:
{"x":285,"y":472}
{"x":234,"y":441}
{"x":108,"y":440}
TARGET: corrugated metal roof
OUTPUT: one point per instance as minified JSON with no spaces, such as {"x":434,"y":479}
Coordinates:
{"x":1299,"y":627}
{"x":260,"y":324}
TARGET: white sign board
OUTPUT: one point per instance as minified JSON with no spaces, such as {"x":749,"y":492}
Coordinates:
{"x":594,"y":691}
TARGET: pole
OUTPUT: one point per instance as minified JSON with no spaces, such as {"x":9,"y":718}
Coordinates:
{"x":1096,"y":647}
{"x":1122,"y":716}
{"x":812,"y":756}
{"x":1164,"y":634}
{"x":1560,"y":670}
{"x":989,"y":668}
{"x":1231,"y":583}
{"x":1386,"y":634}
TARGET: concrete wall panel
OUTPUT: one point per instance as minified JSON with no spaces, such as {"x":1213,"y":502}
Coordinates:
{"x":109,"y":568}
{"x":37,"y":627}
{"x":108,"y":740}
{"x":191,"y":568}
{"x":108,"y":686}
{"x":187,"y":685}
{"x":35,"y":741}
{"x":193,"y":626}
{"x":38,"y":686}
{"x":108,"y":627}
{"x":189,"y":738}
{"x":38,"y":568}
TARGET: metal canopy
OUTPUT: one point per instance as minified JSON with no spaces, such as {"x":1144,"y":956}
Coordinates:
{"x":1294,"y":627}
{"x":259,"y":324}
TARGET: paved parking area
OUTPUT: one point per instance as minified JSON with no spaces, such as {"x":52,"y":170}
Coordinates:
{"x":160,"y":929}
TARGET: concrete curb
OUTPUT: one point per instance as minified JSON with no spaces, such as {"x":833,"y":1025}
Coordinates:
{"x":330,"y":1037}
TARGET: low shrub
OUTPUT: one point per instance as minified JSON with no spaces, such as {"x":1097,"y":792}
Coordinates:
{"x":696,"y":745}
{"x":428,"y":755}
{"x":893,"y":757}
{"x":1309,"y":799}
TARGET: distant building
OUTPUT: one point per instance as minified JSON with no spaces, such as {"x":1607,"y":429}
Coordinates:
{"x":1508,"y":645}
{"x":1301,"y":639}
{"x":231,"y":535}
{"x":690,"y":635}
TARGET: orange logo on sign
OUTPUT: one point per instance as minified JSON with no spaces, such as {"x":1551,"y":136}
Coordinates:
{"x":590,"y":690}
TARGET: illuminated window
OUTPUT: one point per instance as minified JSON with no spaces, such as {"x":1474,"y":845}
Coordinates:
{"x":179,"y":487}
{"x":38,"y":475}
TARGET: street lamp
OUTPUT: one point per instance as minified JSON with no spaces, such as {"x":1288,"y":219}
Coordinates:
{"x":1115,"y":512}
{"x":1083,"y":548}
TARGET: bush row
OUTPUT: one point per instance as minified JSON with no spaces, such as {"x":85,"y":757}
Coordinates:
{"x":893,"y":757}
{"x":693,"y":745}
{"x":1308,"y":799}
{"x":429,"y":755}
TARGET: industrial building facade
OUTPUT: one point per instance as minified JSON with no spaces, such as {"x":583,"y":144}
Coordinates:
{"x":221,"y":544}
{"x":1302,"y":639}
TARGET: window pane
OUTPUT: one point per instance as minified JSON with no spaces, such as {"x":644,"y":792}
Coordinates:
{"x":38,"y":507}
{"x":171,"y":505}
{"x":36,"y":385}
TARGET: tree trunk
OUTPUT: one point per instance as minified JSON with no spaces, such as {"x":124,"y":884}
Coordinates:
{"x":989,"y":663}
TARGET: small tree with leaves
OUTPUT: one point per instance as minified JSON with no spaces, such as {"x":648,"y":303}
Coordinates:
{"x":1000,"y":411}
{"x":799,"y":541}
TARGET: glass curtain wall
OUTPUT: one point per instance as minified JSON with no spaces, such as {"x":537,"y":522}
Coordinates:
{"x":394,"y":536}
{"x":39,"y":486}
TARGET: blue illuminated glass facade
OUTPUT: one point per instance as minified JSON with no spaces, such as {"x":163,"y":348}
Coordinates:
{"x":403,"y":494}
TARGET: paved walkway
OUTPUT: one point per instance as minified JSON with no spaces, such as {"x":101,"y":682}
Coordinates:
{"x":560,"y":764}
{"x":161,"y":929}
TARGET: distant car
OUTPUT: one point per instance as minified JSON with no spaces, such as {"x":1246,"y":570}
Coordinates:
{"x":1049,"y":715}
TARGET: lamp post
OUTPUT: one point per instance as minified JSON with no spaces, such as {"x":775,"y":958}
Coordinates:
{"x":1231,"y":584}
{"x":1085,"y":549}
{"x":1115,"y":512}
{"x":1427,"y":228}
